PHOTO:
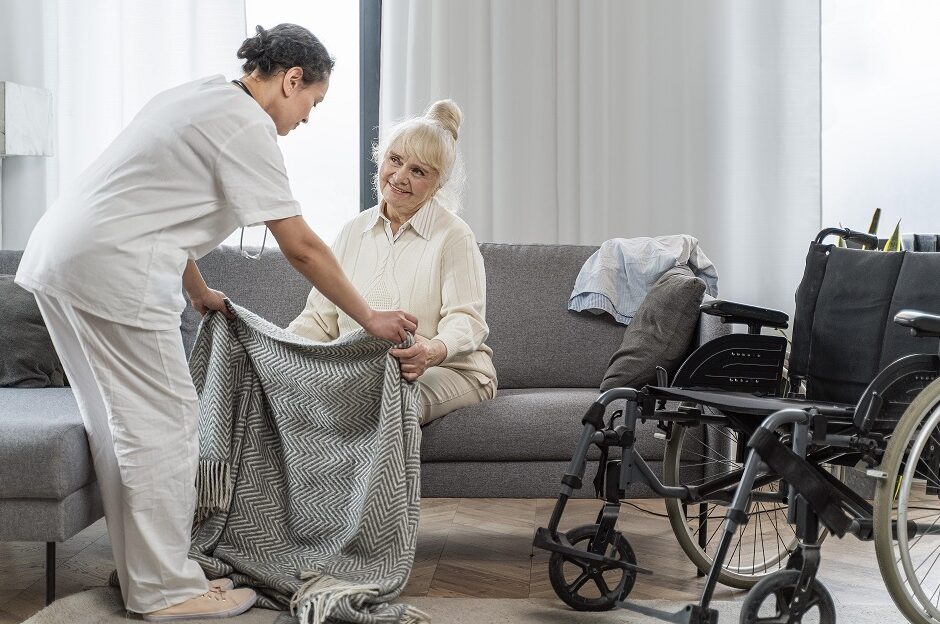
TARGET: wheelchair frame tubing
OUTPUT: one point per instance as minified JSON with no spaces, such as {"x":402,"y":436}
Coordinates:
{"x":737,"y":513}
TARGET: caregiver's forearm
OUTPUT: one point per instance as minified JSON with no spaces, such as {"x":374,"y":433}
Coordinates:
{"x":314,"y":260}
{"x":192,"y":280}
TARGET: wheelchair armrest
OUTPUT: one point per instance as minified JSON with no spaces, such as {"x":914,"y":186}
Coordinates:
{"x":752,"y":316}
{"x":921,"y":323}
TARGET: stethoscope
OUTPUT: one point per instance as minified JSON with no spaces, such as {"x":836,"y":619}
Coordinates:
{"x":241,"y":239}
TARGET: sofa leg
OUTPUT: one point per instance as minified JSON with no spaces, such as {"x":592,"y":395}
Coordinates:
{"x":50,"y":572}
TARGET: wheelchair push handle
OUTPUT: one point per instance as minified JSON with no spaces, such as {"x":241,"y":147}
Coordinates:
{"x":868,"y":241}
{"x":922,"y":324}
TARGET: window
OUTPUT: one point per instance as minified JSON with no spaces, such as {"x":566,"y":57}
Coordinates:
{"x":322,"y":158}
{"x":880,"y":120}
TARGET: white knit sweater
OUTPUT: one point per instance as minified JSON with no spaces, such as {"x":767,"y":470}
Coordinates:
{"x":432,"y":268}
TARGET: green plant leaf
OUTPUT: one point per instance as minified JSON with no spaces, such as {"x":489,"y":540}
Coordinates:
{"x":894,"y":243}
{"x":875,"y":218}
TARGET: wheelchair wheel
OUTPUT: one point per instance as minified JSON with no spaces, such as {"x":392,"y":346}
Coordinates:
{"x":586,"y":587}
{"x":769,"y":601}
{"x":907,"y":510}
{"x":760,"y":547}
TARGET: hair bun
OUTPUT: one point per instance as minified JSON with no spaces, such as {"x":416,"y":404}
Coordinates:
{"x":446,"y":113}
{"x":253,"y":47}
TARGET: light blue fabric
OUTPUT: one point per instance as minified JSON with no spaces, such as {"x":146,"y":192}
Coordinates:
{"x":616,"y":278}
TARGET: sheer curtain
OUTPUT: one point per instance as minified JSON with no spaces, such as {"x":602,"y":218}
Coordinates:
{"x":113,"y":56}
{"x":608,"y":118}
{"x":102,"y":59}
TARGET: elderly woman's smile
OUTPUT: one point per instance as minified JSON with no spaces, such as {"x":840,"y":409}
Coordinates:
{"x":406,"y":183}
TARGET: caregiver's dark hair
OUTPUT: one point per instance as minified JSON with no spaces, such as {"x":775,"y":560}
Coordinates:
{"x":282,"y":47}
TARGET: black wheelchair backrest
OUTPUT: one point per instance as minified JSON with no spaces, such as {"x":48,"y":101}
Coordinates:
{"x":843,"y":329}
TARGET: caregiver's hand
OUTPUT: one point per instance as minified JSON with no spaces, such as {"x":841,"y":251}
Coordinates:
{"x":390,"y":325}
{"x":211,"y":300}
{"x":419,"y":357}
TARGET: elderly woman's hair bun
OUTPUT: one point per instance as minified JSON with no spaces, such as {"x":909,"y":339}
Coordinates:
{"x":446,"y":113}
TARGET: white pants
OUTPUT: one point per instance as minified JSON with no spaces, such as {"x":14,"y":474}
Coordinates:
{"x":141,"y":413}
{"x":444,"y":390}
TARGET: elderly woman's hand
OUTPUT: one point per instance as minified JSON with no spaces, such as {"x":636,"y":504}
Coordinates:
{"x":419,"y":357}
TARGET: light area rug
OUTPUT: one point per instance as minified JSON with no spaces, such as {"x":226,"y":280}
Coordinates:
{"x":103,"y":606}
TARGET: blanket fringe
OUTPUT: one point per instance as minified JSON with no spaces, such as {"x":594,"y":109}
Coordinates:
{"x":321,"y":595}
{"x":415,"y":616}
{"x":213,"y":487}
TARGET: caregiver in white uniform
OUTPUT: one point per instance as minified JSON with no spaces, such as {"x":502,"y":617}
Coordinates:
{"x":107,"y":261}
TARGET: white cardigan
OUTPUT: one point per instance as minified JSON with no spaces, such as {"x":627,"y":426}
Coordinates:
{"x":431,"y":268}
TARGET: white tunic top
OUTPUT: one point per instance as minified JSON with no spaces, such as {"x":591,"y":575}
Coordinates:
{"x":432,"y":268}
{"x":197,"y":162}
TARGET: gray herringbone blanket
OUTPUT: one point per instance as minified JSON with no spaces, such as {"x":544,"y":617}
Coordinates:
{"x":309,"y":470}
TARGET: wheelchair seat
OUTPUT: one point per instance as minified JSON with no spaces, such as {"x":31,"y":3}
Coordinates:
{"x":749,"y":404}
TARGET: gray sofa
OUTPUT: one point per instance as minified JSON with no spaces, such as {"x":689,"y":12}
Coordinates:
{"x":549,"y":361}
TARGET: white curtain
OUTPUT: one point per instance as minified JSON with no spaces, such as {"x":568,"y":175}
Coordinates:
{"x":102,"y":59}
{"x":27,"y":57}
{"x":114,"y":55}
{"x":597,"y":119}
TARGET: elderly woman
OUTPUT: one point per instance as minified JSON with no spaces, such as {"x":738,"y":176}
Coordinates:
{"x":411,"y":251}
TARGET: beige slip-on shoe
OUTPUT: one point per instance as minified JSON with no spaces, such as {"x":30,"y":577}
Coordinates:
{"x":223,"y":583}
{"x":215,"y":603}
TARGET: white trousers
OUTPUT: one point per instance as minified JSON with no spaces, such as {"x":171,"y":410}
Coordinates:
{"x":141,"y":412}
{"x":444,"y":390}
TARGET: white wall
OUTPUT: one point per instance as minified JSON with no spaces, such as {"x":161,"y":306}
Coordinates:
{"x":881,"y":113}
{"x":27,"y":57}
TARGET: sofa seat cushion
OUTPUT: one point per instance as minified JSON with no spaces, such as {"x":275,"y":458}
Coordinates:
{"x":43,"y":449}
{"x":530,"y":424}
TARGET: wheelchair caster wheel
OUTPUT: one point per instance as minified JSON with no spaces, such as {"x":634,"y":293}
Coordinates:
{"x":587,"y":585}
{"x":770,"y":600}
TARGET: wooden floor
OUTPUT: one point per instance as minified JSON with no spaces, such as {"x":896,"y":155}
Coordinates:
{"x":466,"y":547}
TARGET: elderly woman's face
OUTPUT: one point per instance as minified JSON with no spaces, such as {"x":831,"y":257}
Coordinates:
{"x":406,"y":183}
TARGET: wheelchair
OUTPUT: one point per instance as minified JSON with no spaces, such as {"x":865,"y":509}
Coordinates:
{"x":753,"y":466}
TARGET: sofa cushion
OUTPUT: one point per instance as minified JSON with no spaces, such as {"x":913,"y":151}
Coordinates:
{"x":43,"y":449}
{"x":268,"y":286}
{"x":660,"y":333}
{"x":537,"y":342}
{"x":535,"y":424}
{"x":9,"y":261}
{"x":27,"y":359}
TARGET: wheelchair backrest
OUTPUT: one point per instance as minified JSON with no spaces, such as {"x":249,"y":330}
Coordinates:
{"x":843,"y":330}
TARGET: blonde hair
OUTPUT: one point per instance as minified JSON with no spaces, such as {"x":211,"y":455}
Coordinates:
{"x":432,"y":139}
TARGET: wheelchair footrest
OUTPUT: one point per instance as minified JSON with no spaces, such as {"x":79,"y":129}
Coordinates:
{"x":543,"y":539}
{"x":692,"y":614}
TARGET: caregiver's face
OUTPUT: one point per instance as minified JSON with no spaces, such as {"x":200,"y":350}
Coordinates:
{"x":298,"y":101}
